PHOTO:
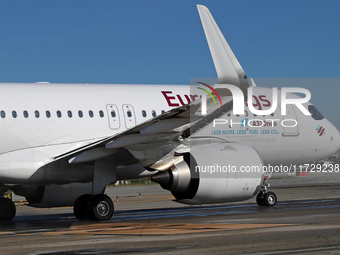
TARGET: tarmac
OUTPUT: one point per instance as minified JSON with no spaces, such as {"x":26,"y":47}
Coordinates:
{"x":306,"y":220}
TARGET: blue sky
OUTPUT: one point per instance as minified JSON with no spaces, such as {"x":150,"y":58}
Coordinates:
{"x":162,"y":42}
{"x":155,"y":41}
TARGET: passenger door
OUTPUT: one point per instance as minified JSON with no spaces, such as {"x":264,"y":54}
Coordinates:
{"x":113,"y":115}
{"x":129,"y":115}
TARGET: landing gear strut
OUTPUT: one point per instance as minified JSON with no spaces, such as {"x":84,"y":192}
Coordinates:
{"x":7,"y":209}
{"x":98,"y":207}
{"x":265,"y":198}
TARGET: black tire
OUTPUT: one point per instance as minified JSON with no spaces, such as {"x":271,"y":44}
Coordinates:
{"x":270,"y":199}
{"x":260,"y":199}
{"x":7,"y":209}
{"x":80,"y":208}
{"x":101,"y":208}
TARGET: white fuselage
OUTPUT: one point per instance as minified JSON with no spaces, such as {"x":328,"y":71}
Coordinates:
{"x":40,"y":121}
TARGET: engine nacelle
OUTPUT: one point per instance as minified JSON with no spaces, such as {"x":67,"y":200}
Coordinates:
{"x":214,"y":173}
{"x":53,"y":195}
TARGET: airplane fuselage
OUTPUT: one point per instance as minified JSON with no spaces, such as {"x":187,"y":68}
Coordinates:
{"x":41,"y":121}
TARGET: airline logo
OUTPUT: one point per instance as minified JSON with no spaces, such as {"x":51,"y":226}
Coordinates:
{"x":209,"y":93}
{"x":321,"y":130}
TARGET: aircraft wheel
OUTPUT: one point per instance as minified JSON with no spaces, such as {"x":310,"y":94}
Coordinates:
{"x":7,"y":209}
{"x":270,"y":199}
{"x":80,"y":208}
{"x":101,"y":208}
{"x":260,"y":199}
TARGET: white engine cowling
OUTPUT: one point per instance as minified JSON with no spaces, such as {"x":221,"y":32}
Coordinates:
{"x":53,"y":195}
{"x":214,"y":173}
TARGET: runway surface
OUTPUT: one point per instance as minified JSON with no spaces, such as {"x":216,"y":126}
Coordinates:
{"x":306,"y":220}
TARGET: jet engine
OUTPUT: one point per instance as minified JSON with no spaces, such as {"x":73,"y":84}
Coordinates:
{"x":214,"y":173}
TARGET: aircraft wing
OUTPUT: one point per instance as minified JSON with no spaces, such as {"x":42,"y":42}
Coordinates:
{"x":149,"y":141}
{"x":157,"y":132}
{"x":152,"y":140}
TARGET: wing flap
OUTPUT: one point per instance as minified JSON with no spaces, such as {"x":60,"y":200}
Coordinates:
{"x":132,"y":139}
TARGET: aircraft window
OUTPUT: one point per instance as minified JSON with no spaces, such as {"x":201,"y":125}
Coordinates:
{"x":91,"y":114}
{"x":80,"y":114}
{"x":14,"y":114}
{"x":69,"y":114}
{"x":163,"y":111}
{"x":113,"y":114}
{"x":237,"y":115}
{"x":144,"y":113}
{"x":3,"y":114}
{"x":129,"y":114}
{"x":255,"y":115}
{"x":153,"y":113}
{"x":315,"y":113}
{"x":101,"y":114}
{"x":245,"y":113}
{"x":25,"y":114}
{"x":59,"y":114}
{"x":48,"y":114}
{"x":37,"y":114}
{"x":272,"y":114}
{"x":228,"y":114}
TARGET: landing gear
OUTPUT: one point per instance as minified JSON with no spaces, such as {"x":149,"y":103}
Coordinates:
{"x":260,"y":199}
{"x":97,"y":207}
{"x":265,"y":198}
{"x":7,"y":209}
{"x":101,"y":208}
{"x":80,"y":207}
{"x":270,"y":199}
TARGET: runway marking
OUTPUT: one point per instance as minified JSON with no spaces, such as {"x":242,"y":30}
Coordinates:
{"x":6,"y":233}
{"x":89,"y":229}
